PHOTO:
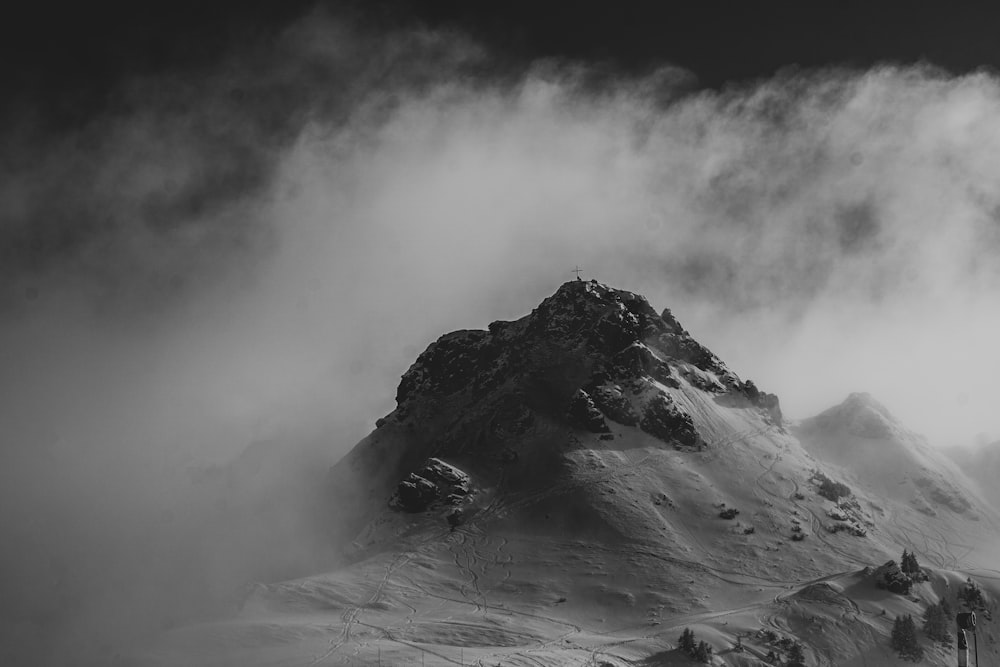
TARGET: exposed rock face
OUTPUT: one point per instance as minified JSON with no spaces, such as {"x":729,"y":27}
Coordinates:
{"x":595,"y":349}
{"x":637,"y":360}
{"x":506,"y":403}
{"x":664,"y":419}
{"x":764,"y":400}
{"x":682,"y":346}
{"x":457,"y":361}
{"x":585,"y":414}
{"x":612,"y":402}
{"x":436,"y":481}
{"x":415,"y":493}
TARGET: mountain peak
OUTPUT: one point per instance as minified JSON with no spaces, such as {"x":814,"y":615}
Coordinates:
{"x":584,"y":335}
{"x":863,"y":399}
{"x":861,"y":415}
{"x":507,"y":405}
{"x":591,"y":460}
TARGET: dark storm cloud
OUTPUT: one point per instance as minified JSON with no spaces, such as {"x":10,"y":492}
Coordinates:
{"x":255,"y":254}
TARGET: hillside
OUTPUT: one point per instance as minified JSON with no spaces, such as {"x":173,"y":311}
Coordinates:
{"x":580,"y":485}
{"x":982,"y":465}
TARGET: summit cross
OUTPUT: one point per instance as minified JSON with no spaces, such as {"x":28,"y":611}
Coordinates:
{"x":577,"y":272}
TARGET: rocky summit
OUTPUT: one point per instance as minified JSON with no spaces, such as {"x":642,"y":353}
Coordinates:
{"x":589,"y":485}
{"x":587,"y":354}
{"x":586,"y":336}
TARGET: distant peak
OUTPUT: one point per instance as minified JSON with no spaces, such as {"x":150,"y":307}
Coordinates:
{"x":859,"y":414}
{"x":859,"y":396}
{"x":862,"y":400}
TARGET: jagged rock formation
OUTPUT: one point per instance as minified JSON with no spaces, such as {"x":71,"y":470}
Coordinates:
{"x":584,"y":414}
{"x":506,"y":403}
{"x":663,"y":418}
{"x":437,"y":481}
{"x":587,"y":346}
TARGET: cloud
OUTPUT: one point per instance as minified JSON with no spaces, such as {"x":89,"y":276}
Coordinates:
{"x":796,"y":224}
{"x":255,"y":254}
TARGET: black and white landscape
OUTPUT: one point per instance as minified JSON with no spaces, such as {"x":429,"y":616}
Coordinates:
{"x":582,"y":484}
{"x":409,"y":333}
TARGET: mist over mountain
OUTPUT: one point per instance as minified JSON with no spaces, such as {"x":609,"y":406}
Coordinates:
{"x":214,"y":277}
{"x":585,"y":482}
{"x":981,"y":463}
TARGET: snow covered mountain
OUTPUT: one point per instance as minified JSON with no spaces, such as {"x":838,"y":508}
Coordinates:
{"x":898,"y":471}
{"x":580,"y":485}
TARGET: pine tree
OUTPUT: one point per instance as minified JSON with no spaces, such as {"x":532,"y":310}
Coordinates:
{"x":703,"y":652}
{"x":947,"y":638}
{"x":972,"y":596}
{"x":904,"y":638}
{"x":898,"y":639}
{"x":949,"y":615}
{"x":686,"y":642}
{"x":908,"y":563}
{"x":936,"y":624}
{"x":796,"y":656}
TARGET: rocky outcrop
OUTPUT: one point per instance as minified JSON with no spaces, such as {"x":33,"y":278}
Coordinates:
{"x":587,"y":356}
{"x":436,"y":482}
{"x":458,"y":361}
{"x":762,"y":399}
{"x":685,"y":348}
{"x":665,"y":420}
{"x":611,"y":400}
{"x":584,"y":414}
{"x":503,"y":403}
{"x":587,"y":324}
{"x":415,"y":493}
{"x":637,"y":360}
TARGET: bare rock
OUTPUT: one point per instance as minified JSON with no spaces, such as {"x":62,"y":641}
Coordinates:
{"x":667,"y":421}
{"x":610,"y":400}
{"x":415,"y":494}
{"x":583,"y":413}
{"x":435,"y":482}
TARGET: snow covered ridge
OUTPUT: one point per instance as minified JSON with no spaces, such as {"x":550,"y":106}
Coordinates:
{"x":609,"y":343}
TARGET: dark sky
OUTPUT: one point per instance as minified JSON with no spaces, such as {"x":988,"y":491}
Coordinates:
{"x":62,"y":59}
